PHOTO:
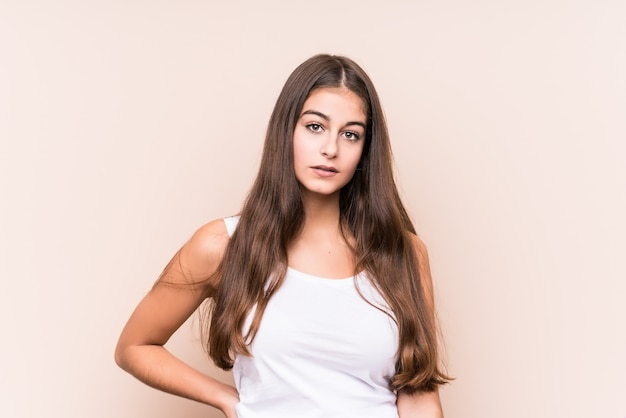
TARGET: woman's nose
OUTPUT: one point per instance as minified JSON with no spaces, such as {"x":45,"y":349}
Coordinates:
{"x":329,"y":147}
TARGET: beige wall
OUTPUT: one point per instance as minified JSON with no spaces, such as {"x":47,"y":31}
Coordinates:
{"x":124,"y":125}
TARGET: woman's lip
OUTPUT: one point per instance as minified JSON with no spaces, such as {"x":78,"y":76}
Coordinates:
{"x":324,"y":171}
{"x":325,"y":168}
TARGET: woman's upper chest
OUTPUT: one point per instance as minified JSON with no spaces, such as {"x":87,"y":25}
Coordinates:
{"x":322,"y":255}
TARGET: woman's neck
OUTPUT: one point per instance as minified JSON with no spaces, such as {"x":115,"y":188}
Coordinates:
{"x":321,"y":212}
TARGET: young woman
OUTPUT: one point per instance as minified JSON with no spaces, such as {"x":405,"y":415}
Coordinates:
{"x":319,"y":292}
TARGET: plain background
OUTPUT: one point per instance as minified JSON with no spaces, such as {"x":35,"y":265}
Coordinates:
{"x":125,"y":125}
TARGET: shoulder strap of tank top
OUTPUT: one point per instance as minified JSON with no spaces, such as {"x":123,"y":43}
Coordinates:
{"x":231,"y":224}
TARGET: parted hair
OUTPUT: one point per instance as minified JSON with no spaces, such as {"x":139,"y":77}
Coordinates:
{"x":371,"y":213}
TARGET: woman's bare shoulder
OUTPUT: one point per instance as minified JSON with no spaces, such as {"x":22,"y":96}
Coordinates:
{"x":419,"y":246}
{"x":203,"y":252}
{"x":211,"y":237}
{"x":423,"y":264}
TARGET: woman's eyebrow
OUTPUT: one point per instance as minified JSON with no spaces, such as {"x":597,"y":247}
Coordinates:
{"x":327,"y":118}
{"x":315,"y":112}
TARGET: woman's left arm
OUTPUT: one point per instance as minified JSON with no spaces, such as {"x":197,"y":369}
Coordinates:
{"x":422,"y":404}
{"x":419,"y":405}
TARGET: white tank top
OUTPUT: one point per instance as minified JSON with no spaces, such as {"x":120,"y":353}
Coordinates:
{"x":321,"y":351}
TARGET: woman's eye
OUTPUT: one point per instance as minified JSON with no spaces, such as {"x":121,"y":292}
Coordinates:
{"x":351,"y":136}
{"x":314,"y":127}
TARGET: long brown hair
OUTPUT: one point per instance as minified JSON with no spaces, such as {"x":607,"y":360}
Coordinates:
{"x":371,"y":211}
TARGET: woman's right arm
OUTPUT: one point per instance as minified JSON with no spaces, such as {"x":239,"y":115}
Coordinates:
{"x":140,"y":349}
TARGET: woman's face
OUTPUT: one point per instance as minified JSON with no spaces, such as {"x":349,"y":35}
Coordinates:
{"x":328,"y":139}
